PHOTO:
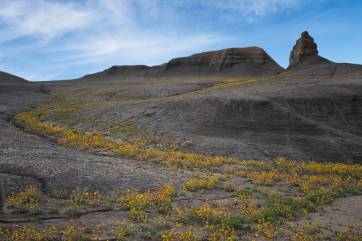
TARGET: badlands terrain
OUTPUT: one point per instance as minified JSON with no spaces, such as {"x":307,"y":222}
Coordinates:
{"x":221,"y":145}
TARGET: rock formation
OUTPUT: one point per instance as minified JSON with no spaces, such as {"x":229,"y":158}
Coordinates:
{"x":251,"y":61}
{"x":305,"y":50}
{"x":237,"y":60}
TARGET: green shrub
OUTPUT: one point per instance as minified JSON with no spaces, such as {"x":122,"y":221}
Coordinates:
{"x":238,"y":222}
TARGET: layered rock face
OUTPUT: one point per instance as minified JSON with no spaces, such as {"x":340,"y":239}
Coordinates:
{"x":305,"y":50}
{"x":251,"y":61}
{"x":237,"y":60}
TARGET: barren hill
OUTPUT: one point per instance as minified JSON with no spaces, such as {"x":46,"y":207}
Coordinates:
{"x":18,"y":94}
{"x":251,"y":61}
{"x":9,"y":79}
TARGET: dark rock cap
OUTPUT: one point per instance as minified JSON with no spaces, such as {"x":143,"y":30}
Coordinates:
{"x":304,"y":49}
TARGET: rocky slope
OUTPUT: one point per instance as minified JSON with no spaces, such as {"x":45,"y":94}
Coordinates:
{"x":124,"y":71}
{"x":9,"y":79}
{"x":18,"y":94}
{"x":311,"y":111}
{"x":251,"y":61}
{"x":29,"y":159}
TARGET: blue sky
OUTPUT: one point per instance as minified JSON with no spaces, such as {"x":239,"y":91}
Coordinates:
{"x":49,"y":39}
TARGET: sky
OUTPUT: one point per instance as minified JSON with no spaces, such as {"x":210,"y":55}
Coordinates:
{"x":65,"y":39}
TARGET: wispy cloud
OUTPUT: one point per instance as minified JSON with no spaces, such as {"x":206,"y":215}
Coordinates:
{"x":255,"y":8}
{"x":248,"y":10}
{"x":55,"y":35}
{"x":42,"y":18}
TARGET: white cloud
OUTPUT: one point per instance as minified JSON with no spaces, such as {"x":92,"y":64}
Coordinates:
{"x":81,"y":32}
{"x":263,"y":7}
{"x":144,"y":49}
{"x":98,"y":27}
{"x":252,"y":9}
{"x":50,"y":19}
{"x":39,"y":17}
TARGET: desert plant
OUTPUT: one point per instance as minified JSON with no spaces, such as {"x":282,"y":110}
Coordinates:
{"x":265,"y":229}
{"x":204,"y":214}
{"x":278,"y":207}
{"x":176,"y":234}
{"x":27,"y":233}
{"x":237,"y":222}
{"x":123,"y":230}
{"x":74,"y":232}
{"x":26,"y":201}
{"x":221,"y":233}
{"x":195,"y":184}
{"x":229,"y":187}
{"x":139,"y":204}
{"x":351,"y":234}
